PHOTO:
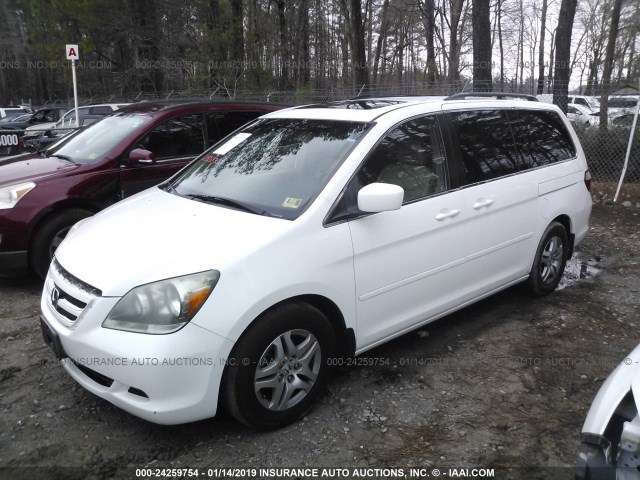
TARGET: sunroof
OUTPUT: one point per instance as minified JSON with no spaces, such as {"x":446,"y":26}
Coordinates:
{"x":363,"y":104}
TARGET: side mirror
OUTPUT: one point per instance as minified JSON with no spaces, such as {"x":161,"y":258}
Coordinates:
{"x":380,"y":197}
{"x":141,"y":156}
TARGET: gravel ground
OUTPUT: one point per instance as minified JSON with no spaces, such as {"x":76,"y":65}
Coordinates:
{"x":504,"y":383}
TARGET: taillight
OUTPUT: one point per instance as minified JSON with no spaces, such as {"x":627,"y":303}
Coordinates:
{"x":587,"y":180}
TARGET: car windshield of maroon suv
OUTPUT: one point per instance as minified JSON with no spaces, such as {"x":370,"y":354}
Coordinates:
{"x":42,"y":195}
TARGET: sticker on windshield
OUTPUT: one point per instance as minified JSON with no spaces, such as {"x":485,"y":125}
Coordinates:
{"x":290,"y":202}
{"x":232,"y":142}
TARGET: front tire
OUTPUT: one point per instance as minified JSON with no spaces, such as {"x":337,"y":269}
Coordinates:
{"x":279,"y":367}
{"x":50,"y":235}
{"x":551,"y":258}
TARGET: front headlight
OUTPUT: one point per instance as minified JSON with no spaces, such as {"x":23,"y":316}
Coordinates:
{"x":12,"y":194}
{"x":162,"y":307}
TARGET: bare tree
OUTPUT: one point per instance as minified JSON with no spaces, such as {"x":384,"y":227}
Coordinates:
{"x":500,"y":43}
{"x":360,"y":69}
{"x":608,"y":64}
{"x":427,"y":7}
{"x":543,"y":23}
{"x":454,"y":49}
{"x":382,"y":34}
{"x":481,"y":46}
{"x":563,"y":53}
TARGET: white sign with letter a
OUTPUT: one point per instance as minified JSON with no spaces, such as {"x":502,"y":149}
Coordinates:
{"x":72,"y":52}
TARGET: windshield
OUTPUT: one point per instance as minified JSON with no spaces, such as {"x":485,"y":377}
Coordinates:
{"x":622,"y":102}
{"x":273,"y":167}
{"x":97,"y":140}
{"x":14,"y":117}
{"x":594,"y":103}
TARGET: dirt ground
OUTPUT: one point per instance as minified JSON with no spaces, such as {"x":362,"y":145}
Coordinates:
{"x":504,"y":383}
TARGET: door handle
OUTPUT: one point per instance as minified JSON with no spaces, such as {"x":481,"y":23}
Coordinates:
{"x":482,"y":203}
{"x":447,"y":214}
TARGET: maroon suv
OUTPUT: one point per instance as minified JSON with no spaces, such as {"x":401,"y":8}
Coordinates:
{"x":42,"y":195}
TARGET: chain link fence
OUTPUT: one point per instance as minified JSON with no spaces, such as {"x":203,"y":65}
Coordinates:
{"x":605,"y":149}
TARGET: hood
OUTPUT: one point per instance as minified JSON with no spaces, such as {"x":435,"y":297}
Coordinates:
{"x":14,"y":125}
{"x":157,"y":235}
{"x":40,"y":126}
{"x":30,"y":166}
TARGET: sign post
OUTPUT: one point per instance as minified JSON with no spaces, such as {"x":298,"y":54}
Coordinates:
{"x":73,"y":54}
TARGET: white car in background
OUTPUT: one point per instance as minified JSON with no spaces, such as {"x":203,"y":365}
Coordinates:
{"x":582,"y":116}
{"x":4,"y":111}
{"x":592,"y":104}
{"x":622,"y":105}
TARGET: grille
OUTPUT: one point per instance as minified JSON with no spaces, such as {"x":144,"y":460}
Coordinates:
{"x":66,"y":305}
{"x":67,"y":295}
{"x":74,"y":281}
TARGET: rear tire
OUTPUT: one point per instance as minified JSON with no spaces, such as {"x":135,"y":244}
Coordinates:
{"x":551,"y":258}
{"x":49,"y":235}
{"x":279,"y":367}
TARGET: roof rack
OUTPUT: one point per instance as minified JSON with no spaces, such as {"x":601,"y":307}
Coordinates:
{"x":496,"y":95}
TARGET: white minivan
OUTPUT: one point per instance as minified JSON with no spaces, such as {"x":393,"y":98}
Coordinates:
{"x":308,"y":235}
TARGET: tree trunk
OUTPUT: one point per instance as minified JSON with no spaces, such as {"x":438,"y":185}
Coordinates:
{"x":634,"y":34}
{"x":521,"y":44}
{"x":428,"y":11}
{"x":237,"y":34}
{"x":481,"y":46}
{"x":608,"y":64}
{"x":284,"y":50}
{"x":382,"y":35}
{"x":563,"y":53}
{"x":543,"y":23}
{"x":454,"y":49}
{"x":304,"y":55}
{"x":500,"y":43}
{"x":358,"y":52}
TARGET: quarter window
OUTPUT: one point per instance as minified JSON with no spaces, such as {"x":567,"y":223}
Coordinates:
{"x":541,"y":137}
{"x":101,"y":110}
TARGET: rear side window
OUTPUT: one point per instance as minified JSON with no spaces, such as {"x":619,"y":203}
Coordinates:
{"x":221,"y":124}
{"x":541,"y":137}
{"x":486,"y":144}
{"x":175,"y":138}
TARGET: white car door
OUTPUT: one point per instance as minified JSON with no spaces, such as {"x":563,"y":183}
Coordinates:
{"x":407,"y":261}
{"x":500,"y":202}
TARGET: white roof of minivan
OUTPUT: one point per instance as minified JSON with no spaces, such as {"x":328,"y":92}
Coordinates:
{"x":369,"y":109}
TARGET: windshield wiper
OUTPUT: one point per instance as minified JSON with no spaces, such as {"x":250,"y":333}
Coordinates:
{"x":167,"y":187}
{"x":62,"y":157}
{"x":226,"y":202}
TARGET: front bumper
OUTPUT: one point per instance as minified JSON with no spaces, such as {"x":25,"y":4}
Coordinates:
{"x":166,"y":379}
{"x":14,"y":263}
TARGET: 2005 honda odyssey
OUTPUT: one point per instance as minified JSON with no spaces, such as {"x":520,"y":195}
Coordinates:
{"x":311,"y":233}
